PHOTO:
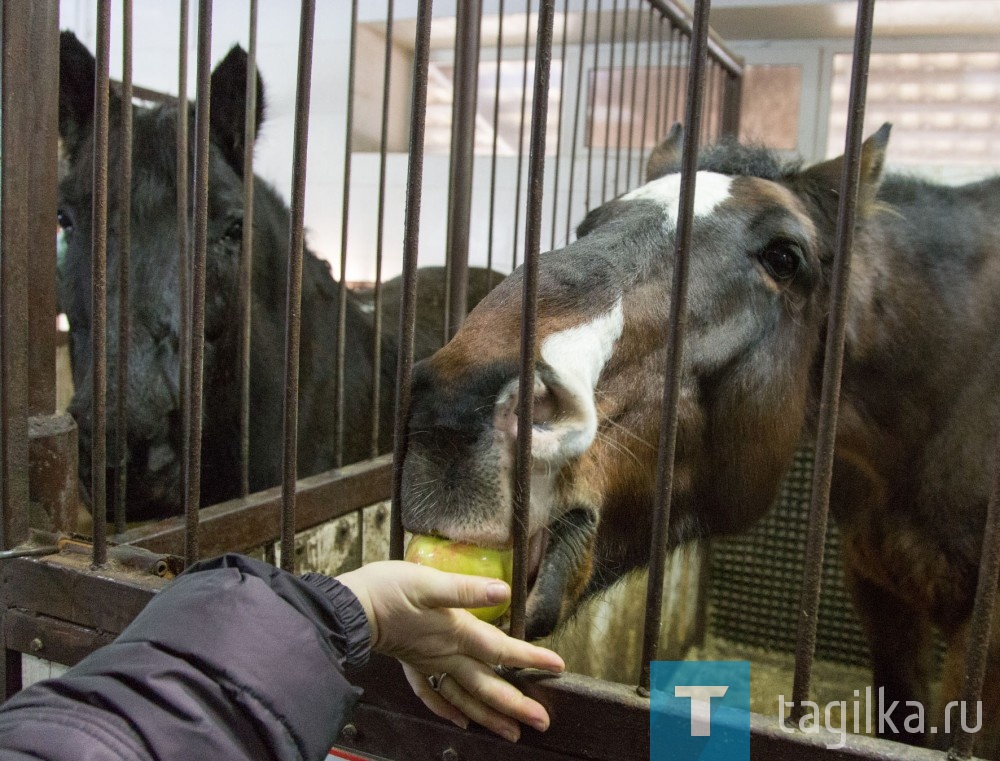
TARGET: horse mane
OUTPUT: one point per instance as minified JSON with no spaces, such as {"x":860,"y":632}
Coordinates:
{"x":728,"y":156}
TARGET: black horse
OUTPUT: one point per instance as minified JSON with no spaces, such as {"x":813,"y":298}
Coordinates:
{"x":153,"y":405}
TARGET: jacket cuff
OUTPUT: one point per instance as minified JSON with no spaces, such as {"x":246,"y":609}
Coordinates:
{"x":350,"y":614}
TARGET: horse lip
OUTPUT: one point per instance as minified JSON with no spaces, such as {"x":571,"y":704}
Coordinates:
{"x":537,"y":544}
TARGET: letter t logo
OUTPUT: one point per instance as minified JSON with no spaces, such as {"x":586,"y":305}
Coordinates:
{"x":701,"y":705}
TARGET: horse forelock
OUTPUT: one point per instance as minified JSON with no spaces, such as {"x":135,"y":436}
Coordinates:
{"x":727,"y":156}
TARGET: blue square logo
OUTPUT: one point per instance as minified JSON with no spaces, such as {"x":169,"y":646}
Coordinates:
{"x":699,"y":711}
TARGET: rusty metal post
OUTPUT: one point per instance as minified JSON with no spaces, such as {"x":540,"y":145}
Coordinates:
{"x":732,"y":101}
{"x":345,"y":216}
{"x":493,"y":153}
{"x":532,"y":243}
{"x":202,"y":123}
{"x":833,"y":362}
{"x":124,"y":256}
{"x":40,"y":155}
{"x":463,"y":140}
{"x":293,"y":304}
{"x":980,"y":625}
{"x":411,"y":245}
{"x":675,"y":343}
{"x":576,"y":124}
{"x":99,"y":285}
{"x":246,"y":252}
{"x":380,"y":237}
{"x":27,"y":262}
{"x":53,"y":478}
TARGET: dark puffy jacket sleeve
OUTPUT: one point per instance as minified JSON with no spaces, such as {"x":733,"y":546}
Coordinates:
{"x":233,"y":660}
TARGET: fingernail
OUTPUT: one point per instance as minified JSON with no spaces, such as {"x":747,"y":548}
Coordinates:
{"x":511,"y":734}
{"x":540,"y":725}
{"x":497,"y":591}
{"x":461,"y":721}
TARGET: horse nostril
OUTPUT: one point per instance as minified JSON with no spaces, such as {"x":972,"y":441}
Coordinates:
{"x":160,"y":456}
{"x":544,"y":407}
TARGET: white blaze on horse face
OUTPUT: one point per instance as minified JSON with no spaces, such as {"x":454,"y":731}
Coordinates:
{"x":575,"y":356}
{"x":710,"y":189}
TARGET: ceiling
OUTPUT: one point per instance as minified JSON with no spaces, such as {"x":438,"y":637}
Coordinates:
{"x":743,"y":20}
{"x":760,"y":19}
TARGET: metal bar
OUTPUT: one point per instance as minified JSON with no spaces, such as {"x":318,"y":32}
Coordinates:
{"x":660,"y":99}
{"x":493,"y":153}
{"x":39,"y":156}
{"x":607,"y":119}
{"x":411,"y":244}
{"x":648,"y":76}
{"x":832,"y":363}
{"x":293,"y":304}
{"x":559,"y":130}
{"x":99,"y":286}
{"x":345,"y":215}
{"x":246,"y":250}
{"x":980,"y":624}
{"x":532,"y":243}
{"x":202,"y":123}
{"x":183,"y":250}
{"x":245,"y":523}
{"x":124,"y":255}
{"x":676,"y":324}
{"x":621,"y":99}
{"x":680,"y":17}
{"x":684,"y":45}
{"x":635,"y":85}
{"x":463,"y":143}
{"x":576,"y":123}
{"x":591,"y":106}
{"x":26,"y":30}
{"x":520,"y":133}
{"x":380,"y":237}
{"x":732,"y":102}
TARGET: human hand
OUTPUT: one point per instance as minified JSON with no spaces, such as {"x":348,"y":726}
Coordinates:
{"x":416,"y":615}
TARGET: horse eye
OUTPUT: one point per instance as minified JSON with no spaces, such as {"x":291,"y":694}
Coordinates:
{"x":64,"y":219}
{"x":781,"y":260}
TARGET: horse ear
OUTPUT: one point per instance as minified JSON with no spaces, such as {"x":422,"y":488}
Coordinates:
{"x":667,"y":154}
{"x":228,"y":109}
{"x":76,"y":90}
{"x":826,"y":175}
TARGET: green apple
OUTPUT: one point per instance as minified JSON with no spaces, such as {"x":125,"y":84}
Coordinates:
{"x":456,"y":557}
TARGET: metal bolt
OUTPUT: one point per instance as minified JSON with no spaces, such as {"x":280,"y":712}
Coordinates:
{"x":349,"y":732}
{"x":450,"y":754}
{"x":36,"y":645}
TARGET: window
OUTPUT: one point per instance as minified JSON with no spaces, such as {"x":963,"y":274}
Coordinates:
{"x":439,"y":105}
{"x":769,"y":107}
{"x":944,"y":107}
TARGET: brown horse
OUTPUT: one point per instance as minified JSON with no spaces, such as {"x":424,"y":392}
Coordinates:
{"x":919,"y":412}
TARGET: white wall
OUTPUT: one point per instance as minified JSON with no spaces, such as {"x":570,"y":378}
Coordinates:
{"x":155,"y":32}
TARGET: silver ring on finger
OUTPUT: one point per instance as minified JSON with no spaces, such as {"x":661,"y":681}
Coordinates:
{"x":435,"y":680}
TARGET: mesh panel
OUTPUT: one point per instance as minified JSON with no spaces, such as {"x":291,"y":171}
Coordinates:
{"x":756,"y":580}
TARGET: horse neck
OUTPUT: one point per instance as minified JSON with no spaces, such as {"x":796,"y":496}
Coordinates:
{"x":921,"y":305}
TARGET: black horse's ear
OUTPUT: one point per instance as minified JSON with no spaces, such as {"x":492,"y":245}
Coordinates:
{"x":76,"y":90}
{"x":826,"y":175}
{"x":667,"y":154}
{"x":229,"y":106}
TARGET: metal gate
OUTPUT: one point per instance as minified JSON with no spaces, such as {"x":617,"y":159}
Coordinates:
{"x":63,"y":597}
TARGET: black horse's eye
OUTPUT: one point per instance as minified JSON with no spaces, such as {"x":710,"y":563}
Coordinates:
{"x":64,"y":219}
{"x":234,"y":233}
{"x":781,"y":259}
